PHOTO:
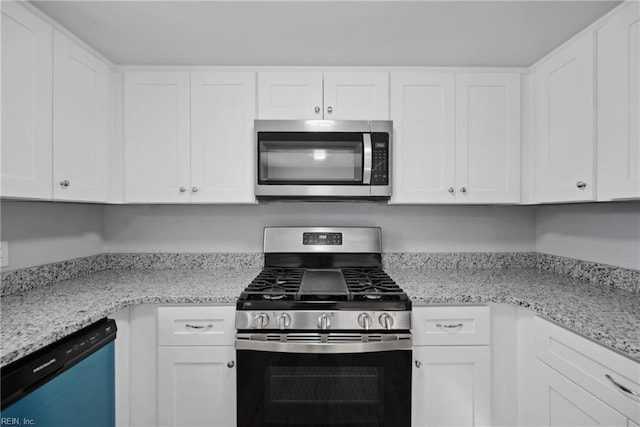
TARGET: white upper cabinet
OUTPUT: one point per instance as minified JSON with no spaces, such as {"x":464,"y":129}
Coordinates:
{"x":80,"y":123}
{"x":290,"y":95}
{"x":356,"y":95}
{"x":157,"y":133}
{"x":26,"y":103}
{"x":564,"y":123}
{"x":223,"y":108}
{"x":456,"y":137}
{"x":423,"y":114}
{"x":317,"y":95}
{"x":488,"y":138}
{"x":618,"y":105}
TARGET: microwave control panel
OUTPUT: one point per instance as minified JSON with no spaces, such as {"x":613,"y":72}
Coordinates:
{"x":380,"y":158}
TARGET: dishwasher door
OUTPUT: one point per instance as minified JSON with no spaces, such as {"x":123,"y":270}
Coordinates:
{"x":69,"y":383}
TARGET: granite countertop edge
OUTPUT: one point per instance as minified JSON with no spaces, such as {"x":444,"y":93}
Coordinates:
{"x":480,"y":292}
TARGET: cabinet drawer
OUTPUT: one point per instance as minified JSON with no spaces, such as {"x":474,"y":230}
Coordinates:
{"x":446,"y":325}
{"x":196,"y":325}
{"x":591,"y":366}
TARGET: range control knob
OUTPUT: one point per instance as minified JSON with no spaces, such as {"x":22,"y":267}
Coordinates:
{"x":364,"y":320}
{"x":324,"y":321}
{"x":386,"y":320}
{"x":261,"y":320}
{"x":283,"y":321}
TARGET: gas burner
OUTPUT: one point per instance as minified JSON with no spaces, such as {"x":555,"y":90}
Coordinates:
{"x":372,"y":294}
{"x":274,"y":293}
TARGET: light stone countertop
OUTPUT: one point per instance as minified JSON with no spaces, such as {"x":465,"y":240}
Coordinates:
{"x":40,"y":316}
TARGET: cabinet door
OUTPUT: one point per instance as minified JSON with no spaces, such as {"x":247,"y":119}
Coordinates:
{"x":222,"y":157}
{"x":356,"y":96}
{"x":451,"y":386}
{"x":618,"y":105}
{"x":565,"y":404}
{"x":488,"y":138}
{"x":157,"y":129}
{"x":196,"y":386}
{"x":26,"y":103}
{"x":423,"y":114}
{"x":290,"y":95}
{"x":565,"y":124}
{"x":80,"y":123}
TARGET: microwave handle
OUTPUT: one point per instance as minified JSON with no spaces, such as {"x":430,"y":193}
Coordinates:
{"x":368,"y":159}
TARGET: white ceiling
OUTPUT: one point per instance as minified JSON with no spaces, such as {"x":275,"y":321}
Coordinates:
{"x":325,"y":33}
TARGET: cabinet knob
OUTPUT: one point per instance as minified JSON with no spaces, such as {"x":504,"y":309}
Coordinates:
{"x":194,"y":189}
{"x":317,"y":109}
{"x":418,"y":364}
{"x":463,"y":190}
{"x":65,"y":183}
{"x":182,"y":189}
{"x":329,"y":110}
{"x":451,"y":190}
{"x":581,"y":185}
{"x":231,"y":364}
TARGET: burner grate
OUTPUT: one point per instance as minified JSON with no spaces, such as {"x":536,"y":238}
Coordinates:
{"x":275,"y":284}
{"x":371,"y":284}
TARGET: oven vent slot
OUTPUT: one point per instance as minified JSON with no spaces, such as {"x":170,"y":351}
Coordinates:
{"x":302,"y":338}
{"x":344,"y":338}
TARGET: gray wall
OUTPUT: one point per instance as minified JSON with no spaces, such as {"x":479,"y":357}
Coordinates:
{"x":43,"y":232}
{"x":608,"y":233}
{"x":239,"y":228}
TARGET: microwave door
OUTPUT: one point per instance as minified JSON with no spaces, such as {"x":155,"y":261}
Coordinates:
{"x":296,"y":159}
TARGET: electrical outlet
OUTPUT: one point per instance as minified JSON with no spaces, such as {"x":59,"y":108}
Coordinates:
{"x":4,"y":254}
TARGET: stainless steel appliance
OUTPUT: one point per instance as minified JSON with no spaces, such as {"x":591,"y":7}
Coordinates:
{"x":326,"y":159}
{"x":323,"y":333}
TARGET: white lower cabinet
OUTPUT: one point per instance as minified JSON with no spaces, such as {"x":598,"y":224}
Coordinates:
{"x":196,"y":366}
{"x":565,"y":404}
{"x":451,"y":386}
{"x":196,"y":386}
{"x":566,"y":380}
{"x":451,"y":381}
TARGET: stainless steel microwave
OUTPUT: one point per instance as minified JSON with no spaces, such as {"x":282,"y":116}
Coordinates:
{"x":323,"y":159}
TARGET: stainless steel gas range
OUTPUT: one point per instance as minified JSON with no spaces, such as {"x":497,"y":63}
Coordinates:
{"x":323,"y":333}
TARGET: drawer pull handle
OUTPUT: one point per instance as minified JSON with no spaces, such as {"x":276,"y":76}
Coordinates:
{"x":621,"y":387}
{"x":188,"y":325}
{"x":457,"y":325}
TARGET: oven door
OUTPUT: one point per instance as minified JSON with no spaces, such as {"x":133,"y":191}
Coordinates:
{"x":324,"y":379}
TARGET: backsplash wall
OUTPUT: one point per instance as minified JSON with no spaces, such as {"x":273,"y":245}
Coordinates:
{"x":219,"y":228}
{"x":44,"y":232}
{"x":607,"y":233}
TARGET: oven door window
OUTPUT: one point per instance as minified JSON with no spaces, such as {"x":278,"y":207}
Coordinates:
{"x":296,"y":389}
{"x":293,"y":158}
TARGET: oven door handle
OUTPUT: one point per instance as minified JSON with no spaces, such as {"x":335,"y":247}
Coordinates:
{"x":368,"y":159}
{"x":323,"y":347}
